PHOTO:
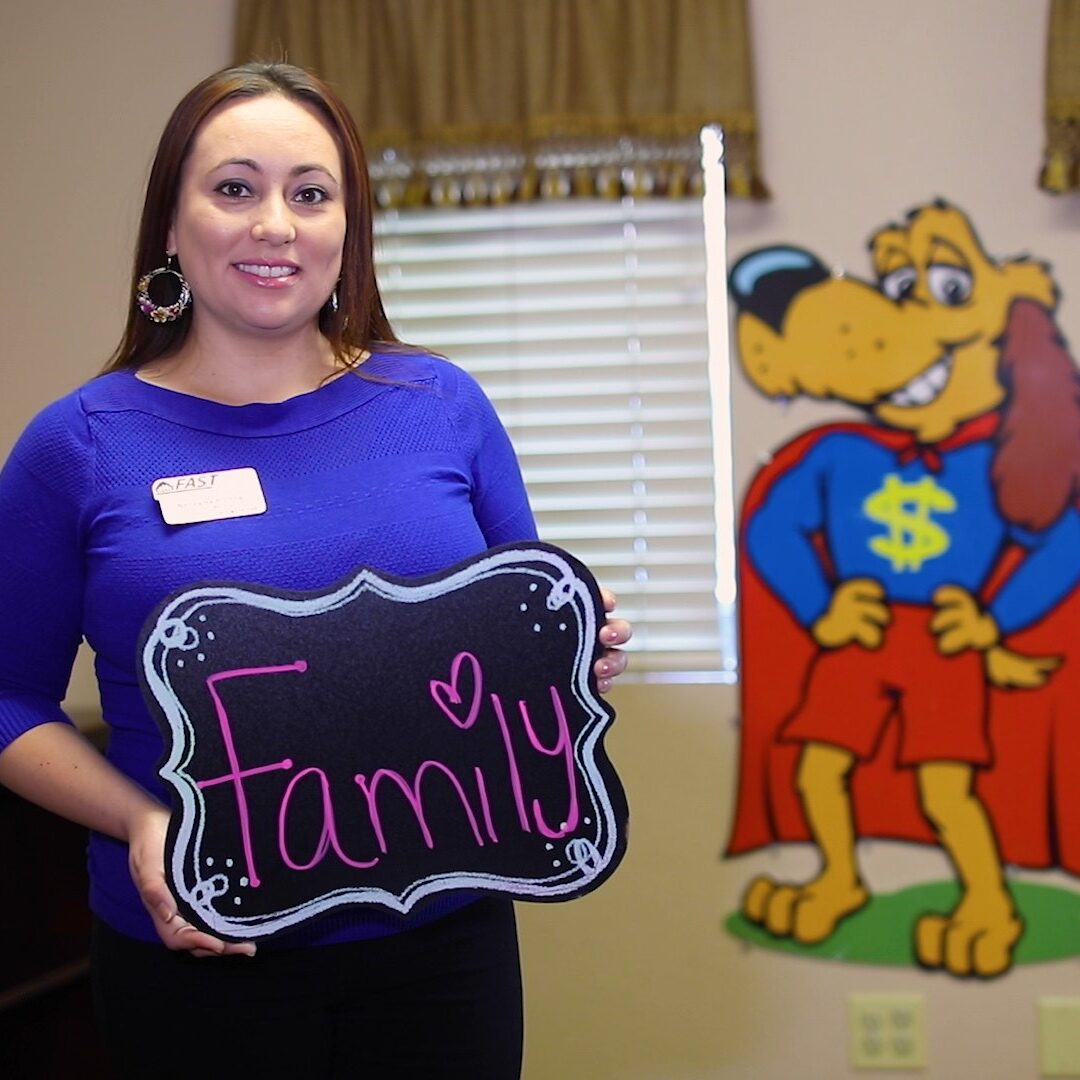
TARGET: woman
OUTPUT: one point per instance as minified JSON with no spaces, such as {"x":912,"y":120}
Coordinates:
{"x":275,"y":355}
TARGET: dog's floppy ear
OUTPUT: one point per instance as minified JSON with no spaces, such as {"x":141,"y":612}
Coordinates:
{"x":1036,"y":470}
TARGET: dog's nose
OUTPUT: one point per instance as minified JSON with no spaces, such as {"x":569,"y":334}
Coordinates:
{"x":765,"y":281}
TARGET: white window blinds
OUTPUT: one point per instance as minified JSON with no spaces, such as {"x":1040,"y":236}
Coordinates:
{"x":585,"y":322}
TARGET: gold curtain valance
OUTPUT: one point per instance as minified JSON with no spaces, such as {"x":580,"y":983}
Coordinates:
{"x":488,"y":101}
{"x":1061,"y":160}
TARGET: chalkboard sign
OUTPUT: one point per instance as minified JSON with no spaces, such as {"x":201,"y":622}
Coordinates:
{"x":383,"y":741}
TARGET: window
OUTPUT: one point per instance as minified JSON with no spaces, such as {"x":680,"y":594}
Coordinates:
{"x":586,"y":322}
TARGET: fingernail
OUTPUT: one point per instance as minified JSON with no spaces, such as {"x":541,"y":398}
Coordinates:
{"x":167,"y":913}
{"x":605,"y":668}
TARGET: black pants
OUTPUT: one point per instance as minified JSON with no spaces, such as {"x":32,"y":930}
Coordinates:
{"x":441,"y":1001}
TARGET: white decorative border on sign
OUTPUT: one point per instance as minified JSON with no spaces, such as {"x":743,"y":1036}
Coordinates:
{"x":177,"y":638}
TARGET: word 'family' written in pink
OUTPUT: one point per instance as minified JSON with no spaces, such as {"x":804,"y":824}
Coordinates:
{"x":471,"y":792}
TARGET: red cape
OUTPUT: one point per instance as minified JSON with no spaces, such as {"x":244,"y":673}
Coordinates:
{"x":1030,"y":789}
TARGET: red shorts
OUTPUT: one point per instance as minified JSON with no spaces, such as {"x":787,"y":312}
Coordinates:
{"x":939,"y":702}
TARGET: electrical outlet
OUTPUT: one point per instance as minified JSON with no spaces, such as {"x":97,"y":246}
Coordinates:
{"x":1059,"y":1036}
{"x":887,"y":1031}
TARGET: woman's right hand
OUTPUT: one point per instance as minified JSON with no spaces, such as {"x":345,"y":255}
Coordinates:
{"x":56,"y":767}
{"x":146,"y":861}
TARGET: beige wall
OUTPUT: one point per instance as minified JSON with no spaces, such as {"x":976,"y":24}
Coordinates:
{"x":85,"y":88}
{"x":867,"y":107}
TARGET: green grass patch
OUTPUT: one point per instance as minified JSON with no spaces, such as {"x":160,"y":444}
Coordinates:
{"x":883,"y":931}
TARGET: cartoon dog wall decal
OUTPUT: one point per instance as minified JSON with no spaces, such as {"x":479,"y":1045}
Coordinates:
{"x":908,"y":584}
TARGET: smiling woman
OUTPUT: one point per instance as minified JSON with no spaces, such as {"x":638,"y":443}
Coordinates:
{"x":259,"y":229}
{"x":234,"y":137}
{"x":274,"y":367}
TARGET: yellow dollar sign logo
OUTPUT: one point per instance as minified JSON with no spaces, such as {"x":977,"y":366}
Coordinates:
{"x":913,"y":537}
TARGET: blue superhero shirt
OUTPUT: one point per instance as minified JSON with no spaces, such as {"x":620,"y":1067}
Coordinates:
{"x":906,"y":526}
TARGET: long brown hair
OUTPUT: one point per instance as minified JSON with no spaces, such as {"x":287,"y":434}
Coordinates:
{"x":360,"y":321}
{"x":1036,"y":469}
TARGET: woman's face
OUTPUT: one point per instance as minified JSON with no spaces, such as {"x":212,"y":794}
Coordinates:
{"x":259,"y":224}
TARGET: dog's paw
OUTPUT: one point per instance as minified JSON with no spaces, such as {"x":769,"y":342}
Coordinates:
{"x":808,"y":913}
{"x":976,"y":939}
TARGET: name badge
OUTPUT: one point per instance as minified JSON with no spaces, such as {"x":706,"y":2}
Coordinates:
{"x":210,"y":496}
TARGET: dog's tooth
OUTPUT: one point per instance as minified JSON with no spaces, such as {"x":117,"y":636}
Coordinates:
{"x":923,"y":391}
{"x":925,"y":387}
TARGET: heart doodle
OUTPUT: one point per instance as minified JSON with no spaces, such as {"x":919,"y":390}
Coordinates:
{"x":447,"y":694}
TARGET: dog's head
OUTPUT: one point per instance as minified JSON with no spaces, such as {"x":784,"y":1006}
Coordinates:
{"x":918,"y":347}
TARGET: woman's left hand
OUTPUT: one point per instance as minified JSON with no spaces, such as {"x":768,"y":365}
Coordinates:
{"x":613,"y":633}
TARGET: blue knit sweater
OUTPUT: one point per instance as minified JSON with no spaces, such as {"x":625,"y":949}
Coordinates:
{"x":407,"y":476}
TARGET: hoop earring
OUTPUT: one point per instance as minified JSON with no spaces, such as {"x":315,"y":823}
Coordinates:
{"x":162,"y":313}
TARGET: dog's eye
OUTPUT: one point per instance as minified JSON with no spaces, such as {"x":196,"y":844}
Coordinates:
{"x":898,"y":284}
{"x":950,"y":285}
